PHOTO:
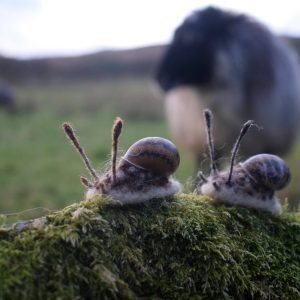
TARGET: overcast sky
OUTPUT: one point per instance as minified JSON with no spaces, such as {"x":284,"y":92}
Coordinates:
{"x":30,"y":28}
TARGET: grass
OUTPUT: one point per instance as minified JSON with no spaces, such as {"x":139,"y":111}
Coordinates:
{"x":132,"y":98}
{"x":292,"y":192}
{"x":178,"y":248}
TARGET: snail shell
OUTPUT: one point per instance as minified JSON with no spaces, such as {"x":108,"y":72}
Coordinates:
{"x":155,"y":154}
{"x":269,"y":169}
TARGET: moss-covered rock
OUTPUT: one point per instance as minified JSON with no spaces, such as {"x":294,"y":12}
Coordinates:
{"x":178,"y":248}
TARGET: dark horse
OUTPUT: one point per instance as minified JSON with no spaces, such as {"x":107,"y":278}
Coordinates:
{"x":235,"y":66}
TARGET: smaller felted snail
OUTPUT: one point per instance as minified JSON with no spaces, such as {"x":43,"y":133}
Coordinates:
{"x":251,"y":183}
{"x":142,"y":174}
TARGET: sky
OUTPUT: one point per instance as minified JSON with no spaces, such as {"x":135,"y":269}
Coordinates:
{"x":39,"y":28}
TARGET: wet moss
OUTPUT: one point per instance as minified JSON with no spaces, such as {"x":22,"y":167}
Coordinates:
{"x":179,"y":248}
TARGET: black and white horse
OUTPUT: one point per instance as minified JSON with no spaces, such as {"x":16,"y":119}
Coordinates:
{"x":235,"y":66}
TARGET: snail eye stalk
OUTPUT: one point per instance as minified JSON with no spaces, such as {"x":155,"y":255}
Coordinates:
{"x":210,"y":142}
{"x":116,"y":131}
{"x":70,"y":133}
{"x":236,"y":147}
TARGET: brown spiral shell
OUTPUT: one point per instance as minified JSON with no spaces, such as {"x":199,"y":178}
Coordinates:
{"x":269,"y":169}
{"x":155,"y":154}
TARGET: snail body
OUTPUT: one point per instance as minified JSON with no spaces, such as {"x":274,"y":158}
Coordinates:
{"x":142,"y":174}
{"x":251,"y":183}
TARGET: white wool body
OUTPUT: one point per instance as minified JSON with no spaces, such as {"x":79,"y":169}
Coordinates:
{"x":227,"y":194}
{"x":127,"y":195}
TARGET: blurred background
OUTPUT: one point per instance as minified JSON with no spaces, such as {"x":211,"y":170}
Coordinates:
{"x":87,"y":62}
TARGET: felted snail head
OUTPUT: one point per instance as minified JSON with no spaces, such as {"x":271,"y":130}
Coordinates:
{"x":251,"y":183}
{"x":142,"y":174}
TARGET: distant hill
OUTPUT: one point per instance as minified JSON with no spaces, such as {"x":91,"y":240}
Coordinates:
{"x":103,"y":64}
{"x":133,"y":62}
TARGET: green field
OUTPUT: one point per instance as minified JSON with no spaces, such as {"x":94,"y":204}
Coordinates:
{"x":39,"y":167}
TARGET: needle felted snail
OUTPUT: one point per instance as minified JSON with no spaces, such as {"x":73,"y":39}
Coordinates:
{"x":251,"y":183}
{"x":143,"y":173}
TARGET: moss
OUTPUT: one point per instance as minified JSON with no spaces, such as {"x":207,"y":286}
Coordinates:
{"x":178,"y":248}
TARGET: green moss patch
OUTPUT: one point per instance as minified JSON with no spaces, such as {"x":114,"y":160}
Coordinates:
{"x":178,"y":248}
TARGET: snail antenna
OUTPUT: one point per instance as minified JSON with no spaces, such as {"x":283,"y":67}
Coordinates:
{"x":116,"y":131}
{"x":210,"y":142}
{"x":70,"y":133}
{"x":236,"y":146}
